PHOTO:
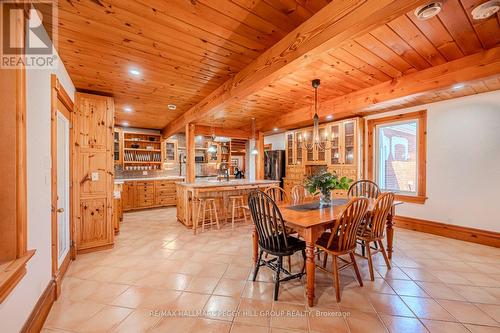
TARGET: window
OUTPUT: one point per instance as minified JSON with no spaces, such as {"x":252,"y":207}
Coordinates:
{"x":396,"y":158}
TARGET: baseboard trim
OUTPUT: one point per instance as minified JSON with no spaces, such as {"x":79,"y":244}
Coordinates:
{"x":41,"y":310}
{"x":484,"y":237}
{"x":94,"y":249}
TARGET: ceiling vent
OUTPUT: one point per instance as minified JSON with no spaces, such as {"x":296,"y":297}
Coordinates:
{"x":429,"y":10}
{"x":485,"y":10}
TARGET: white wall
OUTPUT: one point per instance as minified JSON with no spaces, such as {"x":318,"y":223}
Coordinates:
{"x":276,"y":140}
{"x":463,"y":162}
{"x":15,"y":310}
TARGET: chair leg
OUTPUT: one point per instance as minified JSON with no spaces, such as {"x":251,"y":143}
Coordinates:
{"x":382,"y":249}
{"x":277,"y":283}
{"x":289,"y":263}
{"x":232,"y":215}
{"x":370,"y":263}
{"x":356,"y":269}
{"x":257,"y":266}
{"x":203,"y":217}
{"x":304,"y":265}
{"x":363,"y":244}
{"x":216,"y":216}
{"x":336,"y":281}
{"x":197,"y":220}
{"x":325,"y":259}
{"x":244,"y":211}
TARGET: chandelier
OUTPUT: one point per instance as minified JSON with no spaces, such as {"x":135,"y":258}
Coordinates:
{"x":314,"y":141}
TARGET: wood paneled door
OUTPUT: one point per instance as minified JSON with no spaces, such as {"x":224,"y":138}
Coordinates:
{"x":94,"y":171}
{"x":61,"y":175}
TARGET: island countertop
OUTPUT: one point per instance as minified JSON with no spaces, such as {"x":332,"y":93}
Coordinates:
{"x":234,"y":183}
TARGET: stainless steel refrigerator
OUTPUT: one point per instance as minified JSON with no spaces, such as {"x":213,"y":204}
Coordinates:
{"x":274,"y":165}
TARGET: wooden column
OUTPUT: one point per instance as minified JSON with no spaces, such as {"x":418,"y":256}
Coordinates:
{"x":190,"y":153}
{"x":259,"y":159}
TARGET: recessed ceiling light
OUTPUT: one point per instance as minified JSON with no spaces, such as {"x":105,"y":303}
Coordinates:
{"x":458,"y":86}
{"x":125,"y":124}
{"x":172,"y":106}
{"x":127,"y":109}
{"x":329,"y":117}
{"x":276,"y":129}
{"x":429,"y":10}
{"x":134,"y":71}
{"x":486,"y":10}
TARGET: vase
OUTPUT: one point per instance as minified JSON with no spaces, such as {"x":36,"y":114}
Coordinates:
{"x":325,"y":199}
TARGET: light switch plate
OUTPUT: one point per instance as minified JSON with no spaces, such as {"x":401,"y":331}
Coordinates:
{"x":95,"y":176}
{"x":144,"y":173}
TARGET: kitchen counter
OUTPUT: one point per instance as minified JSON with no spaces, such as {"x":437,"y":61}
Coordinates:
{"x":148,"y":178}
{"x":231,"y":183}
{"x":221,"y":191}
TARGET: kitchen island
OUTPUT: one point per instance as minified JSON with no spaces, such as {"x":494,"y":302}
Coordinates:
{"x":219,"y":190}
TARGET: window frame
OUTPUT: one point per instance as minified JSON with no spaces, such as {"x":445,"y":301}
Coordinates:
{"x":421,"y":118}
{"x":14,"y":268}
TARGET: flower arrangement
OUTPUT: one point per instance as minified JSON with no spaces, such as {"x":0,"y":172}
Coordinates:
{"x":325,"y":182}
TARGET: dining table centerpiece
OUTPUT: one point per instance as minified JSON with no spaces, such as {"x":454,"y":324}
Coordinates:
{"x":324,"y":183}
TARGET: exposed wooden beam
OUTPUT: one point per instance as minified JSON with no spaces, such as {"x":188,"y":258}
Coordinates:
{"x":190,"y":153}
{"x":235,"y":133}
{"x":471,"y":68}
{"x":335,"y":24}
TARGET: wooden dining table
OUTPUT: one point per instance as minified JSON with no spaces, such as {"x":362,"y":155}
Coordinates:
{"x":310,"y":221}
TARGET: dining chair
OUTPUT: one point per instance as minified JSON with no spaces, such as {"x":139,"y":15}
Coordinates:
{"x":300,"y":194}
{"x":364,"y":188}
{"x":273,"y":238}
{"x":278,"y":194}
{"x":373,"y":231}
{"x":341,"y":240}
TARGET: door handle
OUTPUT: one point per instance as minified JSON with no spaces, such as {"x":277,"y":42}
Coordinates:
{"x":60,"y":210}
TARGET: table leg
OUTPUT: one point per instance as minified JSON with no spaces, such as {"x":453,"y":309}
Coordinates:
{"x":309,"y":237}
{"x":390,"y":233}
{"x":255,"y":245}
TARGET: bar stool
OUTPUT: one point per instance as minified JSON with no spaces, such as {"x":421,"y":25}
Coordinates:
{"x":237,"y":207}
{"x":206,"y":205}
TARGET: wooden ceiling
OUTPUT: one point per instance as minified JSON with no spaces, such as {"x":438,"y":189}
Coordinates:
{"x":187,"y":49}
{"x":184,"y":49}
{"x":405,"y":45}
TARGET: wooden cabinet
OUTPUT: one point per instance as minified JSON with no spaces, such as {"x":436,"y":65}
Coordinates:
{"x":149,"y":193}
{"x":346,"y":143}
{"x":171,"y":151}
{"x":118,"y":146}
{"x":94,"y":172}
{"x":142,"y":151}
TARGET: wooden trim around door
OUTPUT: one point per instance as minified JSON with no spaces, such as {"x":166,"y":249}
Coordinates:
{"x":421,"y":116}
{"x":484,"y":237}
{"x":59,"y":94}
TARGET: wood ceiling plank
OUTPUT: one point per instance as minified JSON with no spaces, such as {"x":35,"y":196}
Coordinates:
{"x":487,"y":30}
{"x":358,"y":51}
{"x":472,"y":68}
{"x":387,"y":36}
{"x":293,"y":9}
{"x":382,"y":51}
{"x":347,"y":69}
{"x":405,"y":28}
{"x":139,"y":42}
{"x":359,"y":65}
{"x":455,"y":20}
{"x":327,"y":29}
{"x":158,"y":28}
{"x":437,"y":34}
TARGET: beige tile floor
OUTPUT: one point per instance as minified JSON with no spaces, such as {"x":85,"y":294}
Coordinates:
{"x":161,"y":278}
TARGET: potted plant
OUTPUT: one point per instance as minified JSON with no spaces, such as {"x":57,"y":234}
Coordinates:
{"x":324,"y":183}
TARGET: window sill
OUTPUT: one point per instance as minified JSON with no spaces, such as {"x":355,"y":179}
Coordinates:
{"x":12,"y":273}
{"x":411,"y":198}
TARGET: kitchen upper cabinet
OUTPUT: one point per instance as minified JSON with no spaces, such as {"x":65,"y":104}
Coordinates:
{"x":171,"y":151}
{"x":290,"y":147}
{"x":345,"y":142}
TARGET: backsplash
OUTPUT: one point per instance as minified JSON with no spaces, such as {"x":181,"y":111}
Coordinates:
{"x":202,"y":170}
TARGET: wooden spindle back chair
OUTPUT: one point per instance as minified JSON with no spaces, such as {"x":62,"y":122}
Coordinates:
{"x":277,"y":194}
{"x":299,"y":193}
{"x":373,"y":230}
{"x":342,"y":240}
{"x":364,"y":188}
{"x":273,"y":237}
